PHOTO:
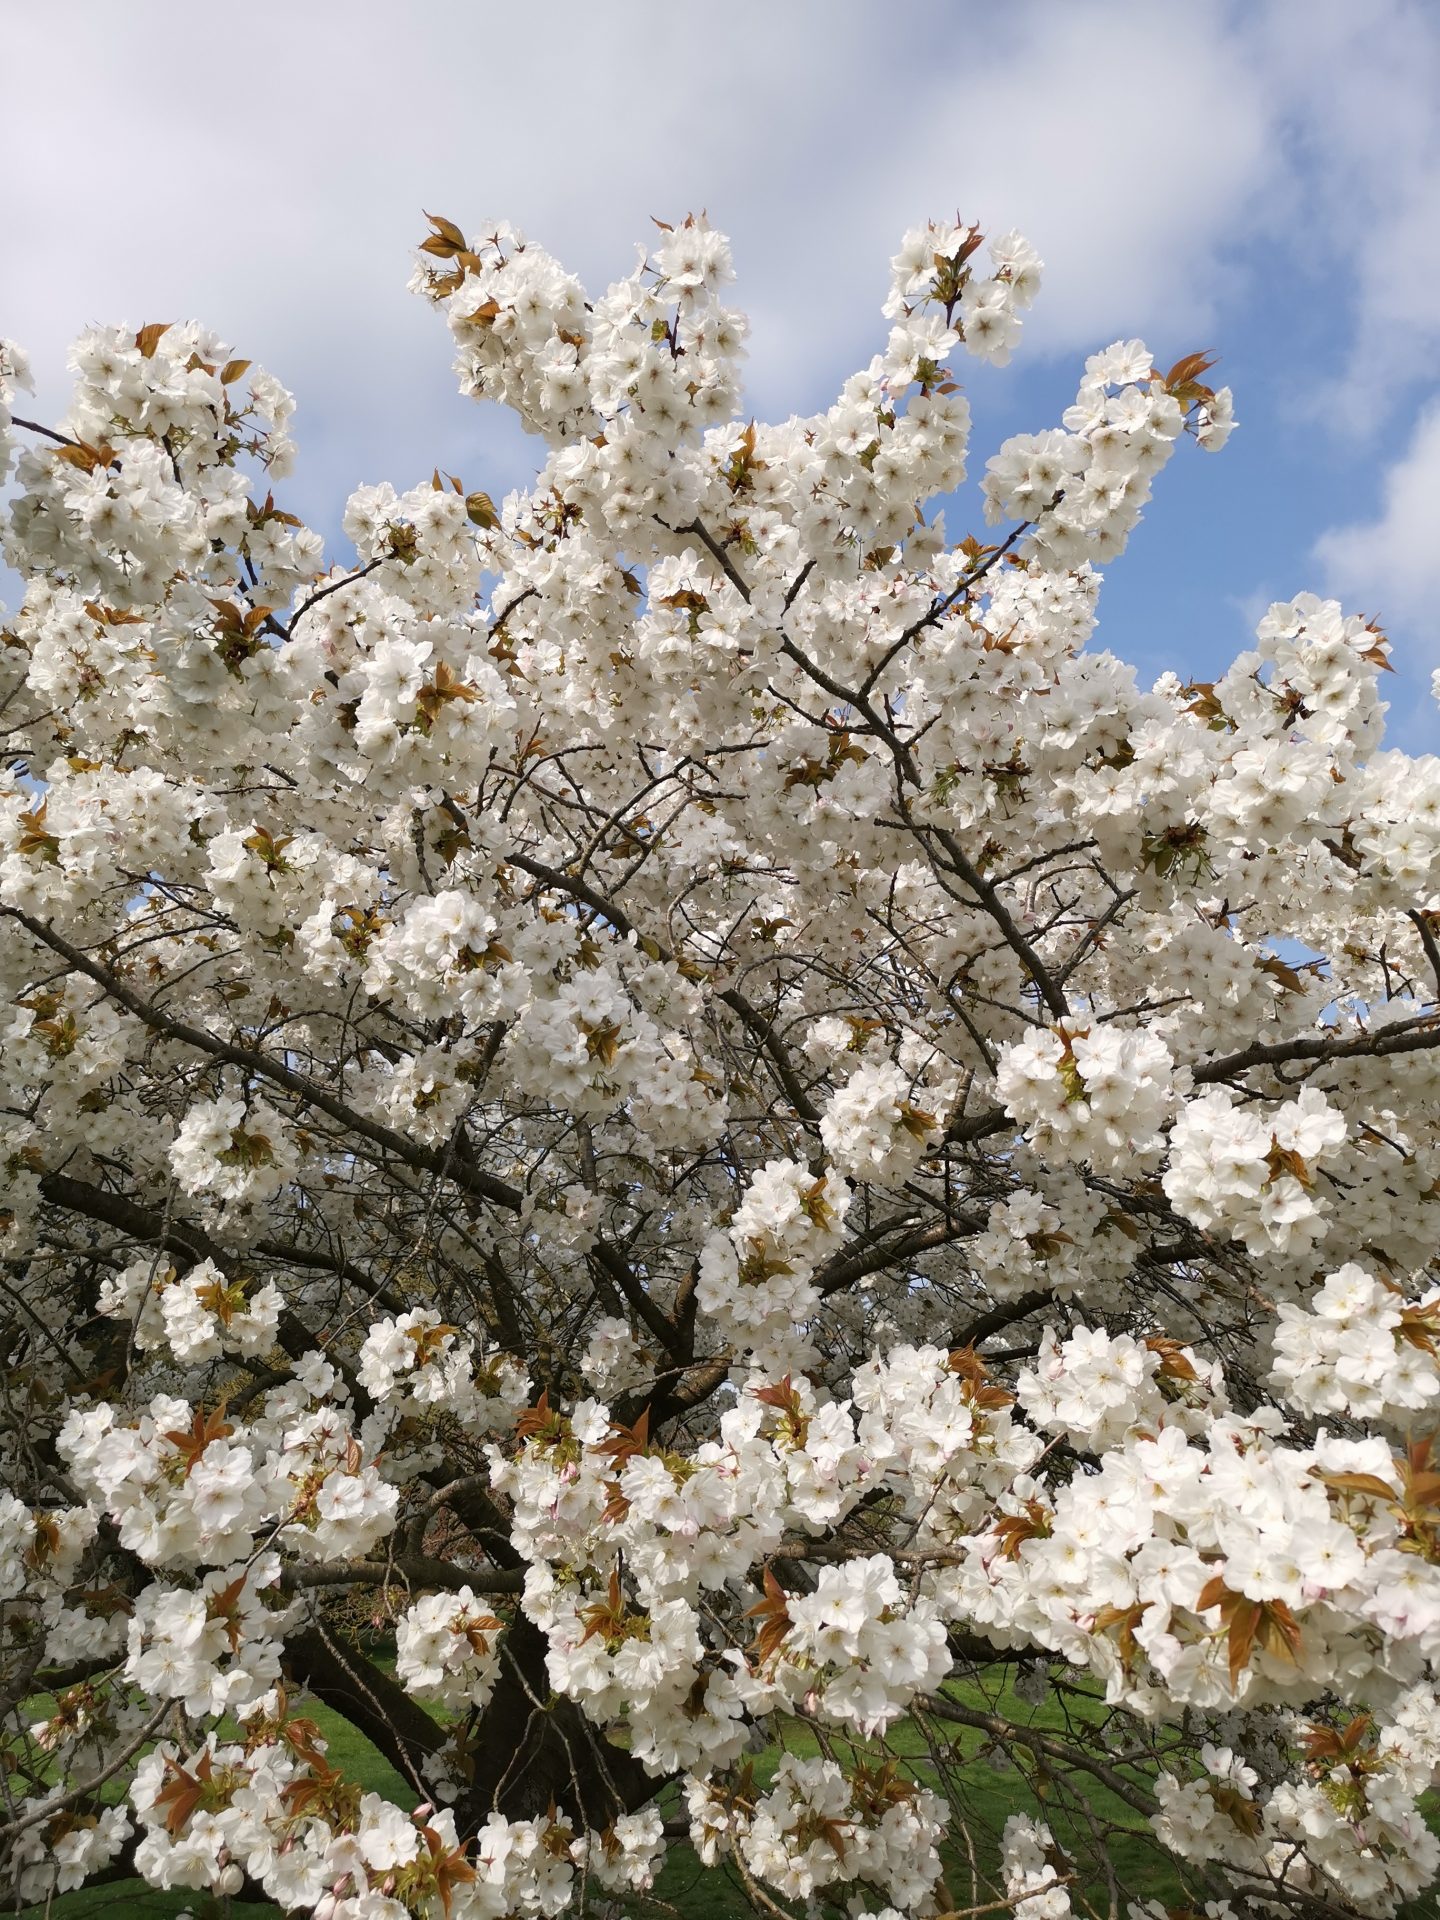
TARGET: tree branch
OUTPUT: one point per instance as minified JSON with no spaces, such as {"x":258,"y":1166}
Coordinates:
{"x":374,"y":1704}
{"x":227,"y":1053}
{"x":1412,"y":1037}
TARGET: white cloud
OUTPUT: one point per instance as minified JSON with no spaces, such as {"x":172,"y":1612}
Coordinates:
{"x":269,"y":176}
{"x":1355,"y":89}
{"x":1129,"y":143}
{"x":1250,"y":608}
{"x":1390,"y":566}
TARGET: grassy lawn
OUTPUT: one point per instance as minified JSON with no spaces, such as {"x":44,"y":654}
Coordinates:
{"x":982,"y":1794}
{"x":133,"y":1900}
{"x":1103,"y":1837}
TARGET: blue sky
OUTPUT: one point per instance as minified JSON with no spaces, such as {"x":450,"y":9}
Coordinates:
{"x":1261,"y":179}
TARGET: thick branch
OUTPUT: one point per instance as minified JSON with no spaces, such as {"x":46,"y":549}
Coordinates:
{"x":414,"y":1570}
{"x":534,"y":1748}
{"x":1410,"y":1038}
{"x":370,"y":1700}
{"x":1006,"y":1314}
{"x":851,"y":1265}
{"x":227,"y":1053}
{"x":153,"y":1226}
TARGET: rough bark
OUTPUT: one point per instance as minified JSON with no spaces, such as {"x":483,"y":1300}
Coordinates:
{"x":534,"y":1750}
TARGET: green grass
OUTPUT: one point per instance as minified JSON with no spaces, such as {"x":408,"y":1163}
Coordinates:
{"x":133,"y":1900}
{"x":982,"y":1794}
{"x":983,"y":1790}
{"x":355,"y":1757}
{"x":1100,"y":1833}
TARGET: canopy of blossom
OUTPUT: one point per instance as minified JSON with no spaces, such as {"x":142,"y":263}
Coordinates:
{"x":672,"y":1093}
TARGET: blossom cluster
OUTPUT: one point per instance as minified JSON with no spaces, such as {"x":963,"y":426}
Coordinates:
{"x":445,"y":1649}
{"x":1359,"y":1347}
{"x":415,"y":1362}
{"x":1100,"y":1095}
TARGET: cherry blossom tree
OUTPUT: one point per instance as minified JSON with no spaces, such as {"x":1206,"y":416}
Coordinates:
{"x":666,"y":1145}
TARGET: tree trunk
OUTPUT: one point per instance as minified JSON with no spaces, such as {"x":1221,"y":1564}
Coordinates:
{"x":531,"y":1751}
{"x":534,"y":1750}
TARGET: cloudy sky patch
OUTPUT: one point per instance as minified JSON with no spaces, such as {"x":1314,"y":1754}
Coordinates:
{"x":1260,"y":179}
